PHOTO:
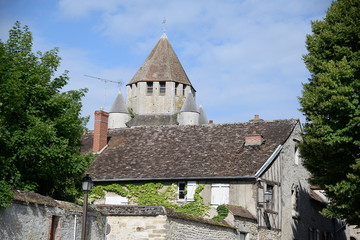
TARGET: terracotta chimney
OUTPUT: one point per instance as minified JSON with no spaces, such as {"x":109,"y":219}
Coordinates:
{"x":100,"y":130}
{"x":256,"y":117}
{"x":211,"y":121}
{"x":253,"y":139}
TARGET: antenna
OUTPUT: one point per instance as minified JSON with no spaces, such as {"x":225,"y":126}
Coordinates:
{"x":105,"y":81}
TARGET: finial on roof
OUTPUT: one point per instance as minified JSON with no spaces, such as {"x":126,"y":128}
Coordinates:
{"x":164,"y":28}
{"x":164,"y":25}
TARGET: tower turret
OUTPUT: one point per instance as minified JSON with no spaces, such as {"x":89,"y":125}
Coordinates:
{"x":189,"y":114}
{"x":118,"y":115}
{"x":161,"y":85}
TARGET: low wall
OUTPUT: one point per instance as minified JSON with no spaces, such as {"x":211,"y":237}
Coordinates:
{"x":35,"y":217}
{"x":157,"y":223}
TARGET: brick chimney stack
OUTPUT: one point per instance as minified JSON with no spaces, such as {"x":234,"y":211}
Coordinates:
{"x":100,"y":130}
{"x":253,"y":139}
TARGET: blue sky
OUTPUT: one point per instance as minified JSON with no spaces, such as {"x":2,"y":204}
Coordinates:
{"x":243,"y":57}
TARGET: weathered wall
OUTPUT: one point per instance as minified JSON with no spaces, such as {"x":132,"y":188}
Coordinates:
{"x":156,"y":223}
{"x":296,"y":224}
{"x":190,"y":230}
{"x":137,"y":227}
{"x":32,"y":220}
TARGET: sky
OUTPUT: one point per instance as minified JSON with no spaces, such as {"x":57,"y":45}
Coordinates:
{"x":243,"y":57}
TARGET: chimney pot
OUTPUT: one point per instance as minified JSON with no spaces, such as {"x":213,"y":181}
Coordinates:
{"x":100,"y":130}
{"x":256,"y":117}
{"x":211,"y":122}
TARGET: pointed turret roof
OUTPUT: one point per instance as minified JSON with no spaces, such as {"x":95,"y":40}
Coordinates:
{"x":162,"y":64}
{"x":189,"y":104}
{"x":119,"y":105}
{"x":202,"y":118}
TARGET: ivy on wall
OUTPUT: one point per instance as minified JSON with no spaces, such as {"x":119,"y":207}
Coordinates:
{"x":222,"y":211}
{"x":150,"y":194}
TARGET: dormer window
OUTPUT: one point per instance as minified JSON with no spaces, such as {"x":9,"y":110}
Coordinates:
{"x":149,"y":87}
{"x":162,"y":88}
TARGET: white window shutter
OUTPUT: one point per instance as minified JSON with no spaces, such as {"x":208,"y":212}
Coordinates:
{"x":219,"y":193}
{"x":116,"y":200}
{"x":191,"y":187}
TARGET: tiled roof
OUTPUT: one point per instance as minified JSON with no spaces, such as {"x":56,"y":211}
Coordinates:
{"x":240,"y":212}
{"x":162,"y":64}
{"x":200,"y":151}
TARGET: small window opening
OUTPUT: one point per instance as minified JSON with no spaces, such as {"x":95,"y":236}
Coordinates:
{"x":149,"y":87}
{"x":162,"y":88}
{"x":243,"y":236}
{"x":297,"y":156}
{"x":184,"y":88}
{"x":176,"y":89}
{"x":182,"y":191}
{"x":269,"y":193}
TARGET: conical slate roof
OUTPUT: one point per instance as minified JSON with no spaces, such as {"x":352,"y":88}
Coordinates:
{"x":202,"y":118}
{"x":189,"y":104}
{"x":161,"y":65}
{"x":119,"y":105}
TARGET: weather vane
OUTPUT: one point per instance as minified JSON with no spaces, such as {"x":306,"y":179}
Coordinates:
{"x":164,"y":24}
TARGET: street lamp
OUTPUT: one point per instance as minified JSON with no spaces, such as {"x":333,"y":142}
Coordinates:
{"x":86,"y":186}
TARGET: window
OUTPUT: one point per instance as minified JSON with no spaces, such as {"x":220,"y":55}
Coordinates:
{"x":149,"y":87}
{"x":219,"y":193}
{"x":116,"y":200}
{"x":242,"y":236}
{"x":183,"y":92}
{"x":297,"y":156}
{"x":181,"y":191}
{"x":294,"y":201}
{"x":162,"y":88}
{"x":176,"y":89}
{"x":269,"y":193}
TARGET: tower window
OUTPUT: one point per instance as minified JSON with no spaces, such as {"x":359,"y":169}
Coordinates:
{"x":149,"y":87}
{"x":176,"y":89}
{"x":184,"y":87}
{"x":162,"y":88}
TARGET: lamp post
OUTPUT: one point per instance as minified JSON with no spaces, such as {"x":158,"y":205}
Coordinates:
{"x":86,"y":186}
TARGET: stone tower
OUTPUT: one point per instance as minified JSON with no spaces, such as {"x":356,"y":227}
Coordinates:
{"x":161,"y":85}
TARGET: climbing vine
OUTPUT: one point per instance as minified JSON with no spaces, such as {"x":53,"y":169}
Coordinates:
{"x":150,"y":194}
{"x":222,"y":211}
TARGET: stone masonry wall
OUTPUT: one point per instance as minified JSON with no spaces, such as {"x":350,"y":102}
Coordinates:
{"x":137,"y":227}
{"x":184,"y":229}
{"x":32,"y":218}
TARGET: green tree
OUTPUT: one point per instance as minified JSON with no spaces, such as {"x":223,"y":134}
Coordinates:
{"x":330,"y":103}
{"x":40,"y":126}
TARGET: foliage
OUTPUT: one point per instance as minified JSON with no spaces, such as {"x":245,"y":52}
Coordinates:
{"x":330,"y":102}
{"x":222,"y":211}
{"x":40,"y":126}
{"x":6,"y":194}
{"x":150,"y":194}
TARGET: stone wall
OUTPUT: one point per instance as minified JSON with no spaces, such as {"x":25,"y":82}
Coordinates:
{"x":192,"y":230}
{"x":157,"y":223}
{"x":35,"y":217}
